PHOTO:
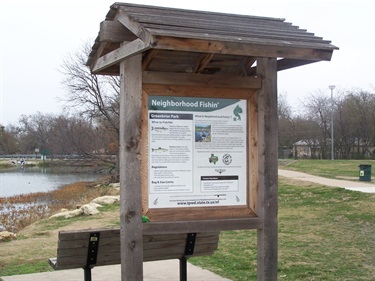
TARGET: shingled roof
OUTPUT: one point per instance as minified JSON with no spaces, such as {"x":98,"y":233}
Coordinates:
{"x":177,"y":40}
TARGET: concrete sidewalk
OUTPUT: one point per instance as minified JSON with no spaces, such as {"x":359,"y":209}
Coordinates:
{"x":361,"y":186}
{"x":152,"y":271}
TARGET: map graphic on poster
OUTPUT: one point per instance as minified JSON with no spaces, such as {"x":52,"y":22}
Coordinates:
{"x":197,"y":152}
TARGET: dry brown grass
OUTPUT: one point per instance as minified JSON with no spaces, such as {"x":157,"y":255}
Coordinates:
{"x":19,"y":211}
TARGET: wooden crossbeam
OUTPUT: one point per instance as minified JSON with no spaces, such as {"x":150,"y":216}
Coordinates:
{"x":206,"y":80}
{"x":202,"y":63}
{"x":125,"y":51}
{"x":239,"y":48}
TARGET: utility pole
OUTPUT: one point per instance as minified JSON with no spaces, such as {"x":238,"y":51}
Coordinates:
{"x":331,"y":87}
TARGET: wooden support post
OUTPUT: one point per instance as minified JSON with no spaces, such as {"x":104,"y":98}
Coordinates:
{"x":130,"y":169}
{"x":267,"y":208}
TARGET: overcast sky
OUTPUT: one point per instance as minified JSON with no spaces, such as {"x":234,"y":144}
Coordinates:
{"x":37,"y":35}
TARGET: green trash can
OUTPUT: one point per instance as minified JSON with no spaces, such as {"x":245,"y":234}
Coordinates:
{"x":364,"y":172}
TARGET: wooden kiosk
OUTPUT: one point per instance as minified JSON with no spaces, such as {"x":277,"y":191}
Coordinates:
{"x":198,"y":143}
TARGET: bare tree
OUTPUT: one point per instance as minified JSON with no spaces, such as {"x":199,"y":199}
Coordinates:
{"x":363,"y":107}
{"x":8,"y":139}
{"x":35,"y":132}
{"x":354,"y":122}
{"x":318,"y":109}
{"x":93,"y":96}
{"x":96,"y":97}
{"x":286,"y":126}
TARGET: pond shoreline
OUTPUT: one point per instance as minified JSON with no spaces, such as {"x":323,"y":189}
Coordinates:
{"x":37,"y":175}
{"x":19,"y":211}
{"x":67,"y":162}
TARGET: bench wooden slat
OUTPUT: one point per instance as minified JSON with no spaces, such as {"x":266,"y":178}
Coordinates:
{"x":73,"y":247}
{"x":149,"y":242}
{"x":84,"y":233}
{"x":111,"y":258}
{"x":104,"y":233}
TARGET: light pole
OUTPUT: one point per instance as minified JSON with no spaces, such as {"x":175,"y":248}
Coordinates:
{"x":331,"y":87}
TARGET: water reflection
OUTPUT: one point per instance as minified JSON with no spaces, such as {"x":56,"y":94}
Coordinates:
{"x":23,"y":180}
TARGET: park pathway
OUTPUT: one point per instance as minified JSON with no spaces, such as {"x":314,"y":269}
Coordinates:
{"x":166,"y":270}
{"x":361,"y":186}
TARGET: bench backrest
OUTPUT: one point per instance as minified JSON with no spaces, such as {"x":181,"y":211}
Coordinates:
{"x":73,"y":247}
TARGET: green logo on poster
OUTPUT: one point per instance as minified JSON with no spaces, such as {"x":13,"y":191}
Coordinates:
{"x":213,"y":159}
{"x":237,"y":111}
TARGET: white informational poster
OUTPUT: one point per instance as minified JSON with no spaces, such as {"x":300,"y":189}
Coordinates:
{"x":197,"y":152}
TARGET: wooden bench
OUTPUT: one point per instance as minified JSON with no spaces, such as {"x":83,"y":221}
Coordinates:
{"x":95,"y":247}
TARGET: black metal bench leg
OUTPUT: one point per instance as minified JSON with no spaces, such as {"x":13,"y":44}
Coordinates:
{"x":183,"y":269}
{"x":92,"y":254}
{"x":87,"y":271}
{"x":189,"y":250}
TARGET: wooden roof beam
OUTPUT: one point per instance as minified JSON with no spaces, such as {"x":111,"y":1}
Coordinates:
{"x":283,"y":64}
{"x":133,"y":26}
{"x":99,"y":51}
{"x":202,"y":63}
{"x":125,"y":51}
{"x":150,"y":55}
{"x":244,"y":68}
{"x":115,"y":32}
{"x":193,"y":79}
{"x":240,"y":48}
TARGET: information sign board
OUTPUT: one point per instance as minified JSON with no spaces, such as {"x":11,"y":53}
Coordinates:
{"x":197,"y":152}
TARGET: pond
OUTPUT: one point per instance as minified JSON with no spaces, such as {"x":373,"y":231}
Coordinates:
{"x":25,"y":180}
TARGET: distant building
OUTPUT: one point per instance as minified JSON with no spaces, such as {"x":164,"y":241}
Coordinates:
{"x":304,"y":149}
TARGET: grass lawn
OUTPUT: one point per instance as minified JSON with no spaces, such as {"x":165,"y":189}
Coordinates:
{"x":340,"y":169}
{"x":324,"y":234}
